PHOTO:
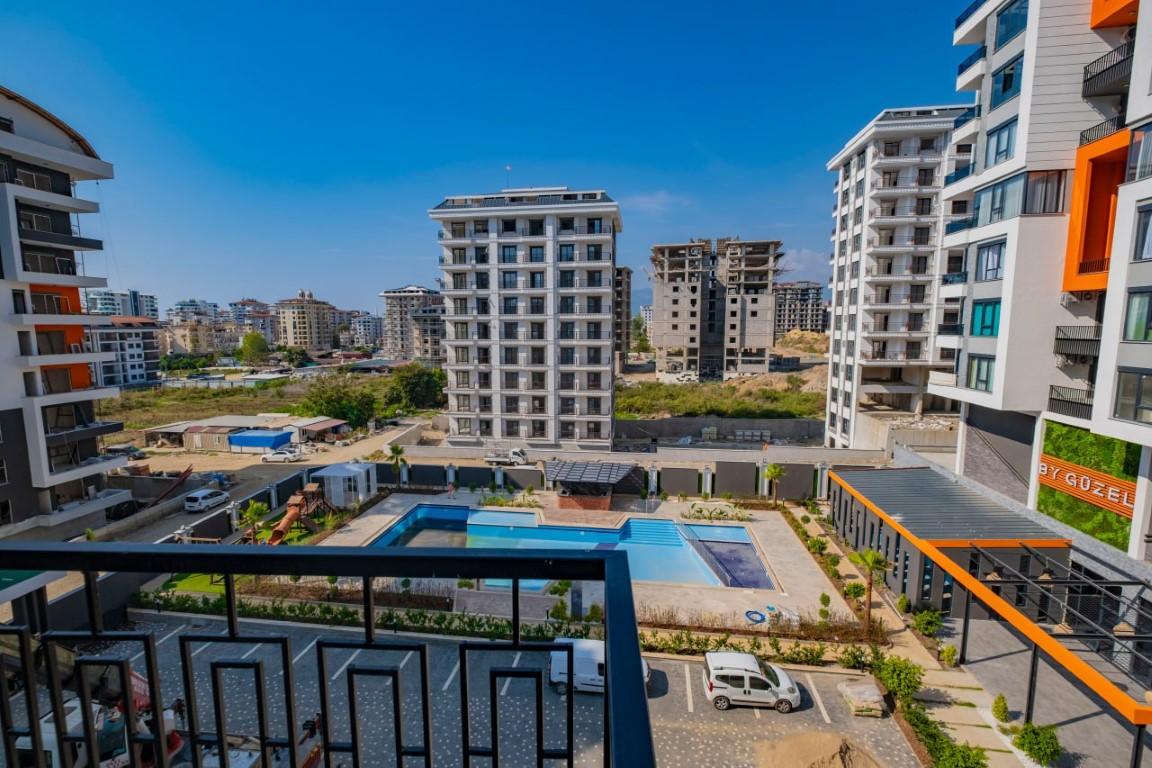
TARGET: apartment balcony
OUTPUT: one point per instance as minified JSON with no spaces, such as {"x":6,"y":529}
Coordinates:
{"x":874,"y":387}
{"x":911,"y":187}
{"x":70,"y":239}
{"x":1077,"y":340}
{"x":895,"y":274}
{"x":868,"y":357}
{"x":879,"y":301}
{"x":99,"y":501}
{"x":970,"y":23}
{"x":62,"y":436}
{"x":1110,"y":74}
{"x":950,"y":329}
{"x":893,"y":330}
{"x":67,"y":471}
{"x":1071,"y":401}
{"x":585,"y":232}
{"x":902,"y":214}
{"x":603,"y":338}
{"x":462,"y":234}
{"x":966,"y":124}
{"x":972,"y":69}
{"x":896,"y":245}
{"x":942,"y":378}
{"x":585,"y":285}
{"x":68,"y":394}
{"x":1102,"y":130}
{"x":81,"y":355}
{"x":56,"y":270}
{"x":959,"y":225}
{"x":962,"y":172}
{"x":907,"y":157}
{"x":440,"y":721}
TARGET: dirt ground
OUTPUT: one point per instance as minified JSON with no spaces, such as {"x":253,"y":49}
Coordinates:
{"x":815,"y":379}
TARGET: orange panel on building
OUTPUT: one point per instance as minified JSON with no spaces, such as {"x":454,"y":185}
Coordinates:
{"x":1100,"y":169}
{"x":1088,"y":485}
{"x":1114,"y":13}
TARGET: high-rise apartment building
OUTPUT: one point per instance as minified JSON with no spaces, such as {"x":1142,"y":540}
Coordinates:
{"x":130,"y":303}
{"x":399,"y":304}
{"x":428,"y":335}
{"x":195,"y":337}
{"x":367,"y":331}
{"x":713,"y":311}
{"x":886,"y":302}
{"x":527,"y":279}
{"x":305,"y":323}
{"x":646,"y":316}
{"x":799,"y":307}
{"x":189,"y":310}
{"x":241,"y":310}
{"x":622,"y":314}
{"x":51,"y":466}
{"x":135,"y":342}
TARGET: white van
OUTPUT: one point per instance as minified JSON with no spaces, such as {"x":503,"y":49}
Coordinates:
{"x":740,"y":678}
{"x":205,"y":499}
{"x":587,"y":666}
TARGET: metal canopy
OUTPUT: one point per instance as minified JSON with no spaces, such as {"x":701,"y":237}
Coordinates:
{"x":587,"y":472}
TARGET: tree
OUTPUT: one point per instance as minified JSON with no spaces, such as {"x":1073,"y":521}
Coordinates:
{"x":640,"y":341}
{"x":397,"y":460}
{"x":338,"y":397}
{"x":873,"y":563}
{"x":253,"y":515}
{"x":295,"y":357}
{"x":774,"y":473}
{"x":253,"y":348}
{"x":415,"y":386}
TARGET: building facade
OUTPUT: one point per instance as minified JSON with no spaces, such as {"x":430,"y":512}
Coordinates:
{"x":50,"y":455}
{"x":130,"y":303}
{"x":135,"y":341}
{"x":428,"y":335}
{"x":646,"y":316}
{"x":189,"y":310}
{"x":191,"y":338}
{"x":713,"y":312}
{"x":622,"y":315}
{"x":886,"y":297}
{"x":528,"y":284}
{"x":367,"y":331}
{"x":399,"y":304}
{"x":305,"y":323}
{"x":799,"y":307}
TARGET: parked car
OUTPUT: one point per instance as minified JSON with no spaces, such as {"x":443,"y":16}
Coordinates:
{"x":126,"y":449}
{"x":205,"y":499}
{"x":587,"y":666}
{"x":740,"y":678}
{"x":281,"y":455}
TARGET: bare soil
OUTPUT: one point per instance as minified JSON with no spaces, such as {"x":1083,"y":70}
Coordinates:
{"x":813,"y":749}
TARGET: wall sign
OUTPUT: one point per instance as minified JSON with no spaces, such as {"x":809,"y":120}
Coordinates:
{"x":1088,"y":485}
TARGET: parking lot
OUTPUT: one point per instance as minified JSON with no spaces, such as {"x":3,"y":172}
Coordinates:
{"x":688,"y":731}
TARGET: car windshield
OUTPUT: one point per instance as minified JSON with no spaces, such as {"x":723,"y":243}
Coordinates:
{"x":769,"y":674}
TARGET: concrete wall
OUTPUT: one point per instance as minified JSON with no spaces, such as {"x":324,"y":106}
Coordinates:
{"x":146,"y":487}
{"x":522,"y":477}
{"x":998,"y":450}
{"x":676,"y":480}
{"x":799,"y":482}
{"x":480,"y":477}
{"x":791,"y":429}
{"x":427,"y":474}
{"x":737,"y":478}
{"x":780,"y":454}
{"x":410,"y":436}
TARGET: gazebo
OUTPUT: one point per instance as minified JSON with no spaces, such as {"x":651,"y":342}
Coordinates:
{"x":590,"y":484}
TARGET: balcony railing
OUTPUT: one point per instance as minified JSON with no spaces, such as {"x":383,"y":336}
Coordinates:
{"x":1093,"y":266}
{"x":1102,"y":130}
{"x":959,"y":225}
{"x":874,"y":328}
{"x":1109,"y":75}
{"x":894,"y":356}
{"x":136,"y":668}
{"x":976,"y":56}
{"x":903,"y":211}
{"x":950,"y":329}
{"x":942,"y":378}
{"x":896,"y":298}
{"x":962,"y":172}
{"x":1071,"y":401}
{"x":967,"y":115}
{"x":1077,"y":340}
{"x":969,"y":11}
{"x":49,"y":264}
{"x":954,"y":278}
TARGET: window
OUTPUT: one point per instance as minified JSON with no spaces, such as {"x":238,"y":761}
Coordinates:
{"x":1045,"y":192}
{"x":1138,"y":321}
{"x":595,"y":252}
{"x":1001,"y":144}
{"x":3,"y":472}
{"x":1010,"y":21}
{"x":536,"y":253}
{"x":567,"y":252}
{"x":980,"y":371}
{"x":508,"y":226}
{"x":926,"y":177}
{"x":1143,"y":242}
{"x":509,"y":280}
{"x":1002,"y":200}
{"x":1140,"y":153}
{"x":757,"y":683}
{"x":510,"y":305}
{"x":508,"y":254}
{"x":1134,"y":395}
{"x":986,"y":318}
{"x":1006,"y":82}
{"x":481,"y":254}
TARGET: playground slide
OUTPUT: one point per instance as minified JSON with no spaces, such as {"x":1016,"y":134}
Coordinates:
{"x":292,"y":513}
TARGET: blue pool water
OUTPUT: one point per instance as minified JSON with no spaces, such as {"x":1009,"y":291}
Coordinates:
{"x":733,"y":533}
{"x":657,"y":550}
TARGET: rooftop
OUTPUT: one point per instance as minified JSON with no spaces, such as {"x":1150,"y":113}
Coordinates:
{"x":529,"y":197}
{"x":586,"y":472}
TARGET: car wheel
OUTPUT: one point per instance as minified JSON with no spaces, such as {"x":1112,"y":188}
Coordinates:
{"x":721,"y":703}
{"x":783,"y":706}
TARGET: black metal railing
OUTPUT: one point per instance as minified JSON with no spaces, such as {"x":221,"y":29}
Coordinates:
{"x":950,"y":329}
{"x":967,"y":12}
{"x":1102,"y":130}
{"x":1071,"y":401}
{"x":1093,"y":266}
{"x":1077,"y":340}
{"x":1109,"y":74}
{"x":976,"y":56}
{"x":267,"y":722}
{"x":966,"y":116}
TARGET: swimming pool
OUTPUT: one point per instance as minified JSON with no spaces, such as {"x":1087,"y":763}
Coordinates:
{"x":658,"y":549}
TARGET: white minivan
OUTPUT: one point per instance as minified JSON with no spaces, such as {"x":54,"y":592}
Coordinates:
{"x":587,"y":666}
{"x":740,"y":678}
{"x":205,"y":499}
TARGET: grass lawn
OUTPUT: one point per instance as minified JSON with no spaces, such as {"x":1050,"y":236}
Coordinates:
{"x":653,"y":400}
{"x":196,"y":582}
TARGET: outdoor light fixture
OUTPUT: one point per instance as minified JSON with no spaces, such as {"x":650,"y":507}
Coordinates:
{"x":1045,"y":575}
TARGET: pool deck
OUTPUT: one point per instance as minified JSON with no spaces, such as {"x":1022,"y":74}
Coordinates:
{"x":798,"y":581}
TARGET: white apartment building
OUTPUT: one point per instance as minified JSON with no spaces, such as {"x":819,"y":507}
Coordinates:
{"x":888,"y":223}
{"x":799,"y":307}
{"x":367,"y":330}
{"x":51,"y":467}
{"x":135,"y":341}
{"x":194,"y":310}
{"x":646,"y":315}
{"x":527,"y":280}
{"x":130,"y":303}
{"x":714,"y":312}
{"x":399,"y":304}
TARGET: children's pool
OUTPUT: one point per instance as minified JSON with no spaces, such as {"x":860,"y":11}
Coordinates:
{"x":658,"y":549}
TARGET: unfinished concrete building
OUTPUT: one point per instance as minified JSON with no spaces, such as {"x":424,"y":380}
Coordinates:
{"x":713,"y":314}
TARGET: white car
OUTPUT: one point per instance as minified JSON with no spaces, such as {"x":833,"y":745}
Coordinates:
{"x":587,"y":666}
{"x":282,"y":455}
{"x":205,"y":499}
{"x":740,"y":678}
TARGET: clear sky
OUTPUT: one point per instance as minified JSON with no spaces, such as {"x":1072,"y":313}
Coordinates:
{"x":265,"y":147}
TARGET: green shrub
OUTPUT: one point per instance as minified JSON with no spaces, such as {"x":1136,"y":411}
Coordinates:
{"x":663,"y":495}
{"x":825,"y":599}
{"x":854,"y":590}
{"x":1000,"y":708}
{"x":817,"y":546}
{"x":853,"y":657}
{"x":558,"y":612}
{"x":902,"y":603}
{"x":928,"y":622}
{"x":594,"y":613}
{"x":944,"y":752}
{"x":824,"y":614}
{"x":901,"y":677}
{"x":805,"y":519}
{"x":465,"y":584}
{"x":832,"y":560}
{"x":1039,"y":743}
{"x":811,"y":655}
{"x":560,"y":588}
{"x":949,"y":655}
{"x":962,"y":756}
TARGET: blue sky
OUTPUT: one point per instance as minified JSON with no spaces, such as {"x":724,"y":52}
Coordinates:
{"x":261,"y":148}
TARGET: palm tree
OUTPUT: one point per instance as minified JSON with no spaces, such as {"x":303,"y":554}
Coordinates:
{"x":873,"y":563}
{"x":774,"y":473}
{"x":397,"y":460}
{"x":253,"y":515}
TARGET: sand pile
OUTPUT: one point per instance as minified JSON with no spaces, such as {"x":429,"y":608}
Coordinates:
{"x":813,"y":749}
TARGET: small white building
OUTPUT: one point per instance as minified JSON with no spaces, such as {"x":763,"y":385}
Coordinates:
{"x":347,"y":484}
